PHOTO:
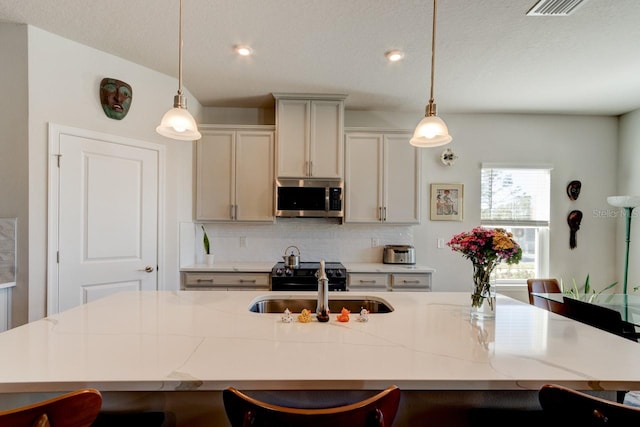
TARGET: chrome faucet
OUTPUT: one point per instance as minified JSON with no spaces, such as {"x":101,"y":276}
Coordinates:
{"x":322,"y":309}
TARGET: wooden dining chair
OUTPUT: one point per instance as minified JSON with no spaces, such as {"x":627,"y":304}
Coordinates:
{"x":378,"y":410}
{"x":75,"y":409}
{"x":568,"y":407}
{"x":544,"y":286}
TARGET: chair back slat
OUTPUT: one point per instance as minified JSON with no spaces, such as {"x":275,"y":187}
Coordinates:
{"x":377,"y":411}
{"x":75,"y":409}
{"x":566,"y":406}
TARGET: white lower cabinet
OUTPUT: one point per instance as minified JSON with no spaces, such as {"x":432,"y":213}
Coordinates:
{"x":420,"y":282}
{"x":207,"y":281}
{"x":411,"y":282}
{"x":367,"y":281}
{"x":235,"y":175}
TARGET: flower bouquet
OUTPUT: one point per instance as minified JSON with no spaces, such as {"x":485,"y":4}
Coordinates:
{"x":486,"y":248}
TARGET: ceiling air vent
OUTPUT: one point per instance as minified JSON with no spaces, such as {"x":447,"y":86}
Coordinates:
{"x":554,"y":7}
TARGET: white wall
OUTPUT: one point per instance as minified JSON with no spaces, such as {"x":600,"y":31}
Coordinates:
{"x":580,"y":148}
{"x":64,"y":79}
{"x":14,"y":166}
{"x":629,"y":183}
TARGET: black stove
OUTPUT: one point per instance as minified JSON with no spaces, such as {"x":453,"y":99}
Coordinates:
{"x":305,"y":277}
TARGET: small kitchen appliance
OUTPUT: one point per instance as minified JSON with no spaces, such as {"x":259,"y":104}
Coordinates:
{"x":292,"y":260}
{"x":399,"y":254}
{"x":305,"y":277}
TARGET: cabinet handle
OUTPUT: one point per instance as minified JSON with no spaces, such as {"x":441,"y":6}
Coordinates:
{"x":205,"y":280}
{"x":410,"y":281}
{"x":380,"y":213}
{"x":247,"y":281}
{"x":368,"y":281}
{"x":385,"y":213}
{"x":231,"y":211}
{"x":306,"y":168}
{"x":235,"y":212}
{"x":310,"y":168}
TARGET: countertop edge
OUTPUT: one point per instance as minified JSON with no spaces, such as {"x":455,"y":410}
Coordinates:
{"x":265,"y":267}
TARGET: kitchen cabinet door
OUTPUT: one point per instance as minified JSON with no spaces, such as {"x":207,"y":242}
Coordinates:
{"x":254,"y":176}
{"x":363,"y":178}
{"x":293,"y":135}
{"x":326,"y":143}
{"x":402,"y":173}
{"x":234,"y":175}
{"x":215,"y":175}
{"x":309,"y":136}
{"x":382,"y":178}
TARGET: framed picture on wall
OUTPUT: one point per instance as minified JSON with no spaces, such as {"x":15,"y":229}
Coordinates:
{"x":447,"y":202}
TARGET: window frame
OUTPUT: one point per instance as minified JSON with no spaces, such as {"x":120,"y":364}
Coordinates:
{"x":542,"y":239}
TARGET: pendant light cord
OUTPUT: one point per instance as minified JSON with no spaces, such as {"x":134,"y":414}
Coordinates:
{"x":180,"y":54}
{"x":433,"y":49}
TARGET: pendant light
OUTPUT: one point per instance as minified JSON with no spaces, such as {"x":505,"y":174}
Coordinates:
{"x":178,"y":123}
{"x":431,"y":131}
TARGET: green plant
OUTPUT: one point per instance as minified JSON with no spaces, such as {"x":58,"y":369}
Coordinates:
{"x":205,"y":241}
{"x":586,"y":289}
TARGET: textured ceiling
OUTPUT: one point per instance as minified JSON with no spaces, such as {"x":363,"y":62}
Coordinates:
{"x":490,"y":56}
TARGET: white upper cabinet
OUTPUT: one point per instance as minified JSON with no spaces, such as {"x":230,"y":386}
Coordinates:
{"x":235,"y":174}
{"x":309,"y":133}
{"x":382,"y":178}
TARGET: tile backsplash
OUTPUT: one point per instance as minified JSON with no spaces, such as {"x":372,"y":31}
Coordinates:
{"x":315,"y":238}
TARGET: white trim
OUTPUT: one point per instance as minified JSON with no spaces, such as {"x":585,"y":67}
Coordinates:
{"x":55,"y":131}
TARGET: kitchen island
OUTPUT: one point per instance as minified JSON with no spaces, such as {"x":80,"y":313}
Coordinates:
{"x":175,"y":351}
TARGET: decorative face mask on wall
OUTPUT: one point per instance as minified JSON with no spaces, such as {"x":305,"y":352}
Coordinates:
{"x":115,"y":96}
{"x":573,"y":190}
{"x":574,"y":219}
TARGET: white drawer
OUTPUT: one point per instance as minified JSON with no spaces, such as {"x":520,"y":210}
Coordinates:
{"x":227,"y":280}
{"x":411,"y":282}
{"x":369,"y":281}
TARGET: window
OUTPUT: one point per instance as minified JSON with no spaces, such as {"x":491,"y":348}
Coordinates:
{"x":518,"y":199}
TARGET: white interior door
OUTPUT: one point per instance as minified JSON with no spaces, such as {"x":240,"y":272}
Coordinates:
{"x":107,"y":219}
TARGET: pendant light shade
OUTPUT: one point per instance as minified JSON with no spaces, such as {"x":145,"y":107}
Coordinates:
{"x":178,"y":123}
{"x":431,"y":131}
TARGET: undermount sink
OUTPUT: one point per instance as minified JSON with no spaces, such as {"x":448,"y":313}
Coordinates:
{"x":270,"y":304}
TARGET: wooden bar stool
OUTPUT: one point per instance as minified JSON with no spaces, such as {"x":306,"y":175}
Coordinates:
{"x":376,"y":411}
{"x":75,"y":409}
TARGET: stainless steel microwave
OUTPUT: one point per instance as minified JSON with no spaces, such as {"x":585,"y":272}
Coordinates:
{"x":309,"y":197}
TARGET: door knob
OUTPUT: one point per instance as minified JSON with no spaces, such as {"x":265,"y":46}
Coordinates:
{"x":148,"y":269}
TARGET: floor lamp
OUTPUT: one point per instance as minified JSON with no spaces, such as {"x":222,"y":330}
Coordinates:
{"x":627,"y":203}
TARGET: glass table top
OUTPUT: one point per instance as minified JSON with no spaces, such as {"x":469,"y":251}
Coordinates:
{"x":627,"y":305}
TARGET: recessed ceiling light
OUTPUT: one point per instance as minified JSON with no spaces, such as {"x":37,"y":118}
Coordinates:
{"x":243,"y":50}
{"x":394,"y":55}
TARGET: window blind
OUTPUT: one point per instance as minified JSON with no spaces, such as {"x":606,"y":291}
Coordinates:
{"x":515,"y":196}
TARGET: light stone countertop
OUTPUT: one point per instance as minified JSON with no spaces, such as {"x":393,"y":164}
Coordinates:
{"x":265,"y":267}
{"x":190,"y":340}
{"x":378,"y":267}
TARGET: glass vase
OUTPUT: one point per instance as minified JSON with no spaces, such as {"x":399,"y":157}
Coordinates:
{"x":483,"y":295}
